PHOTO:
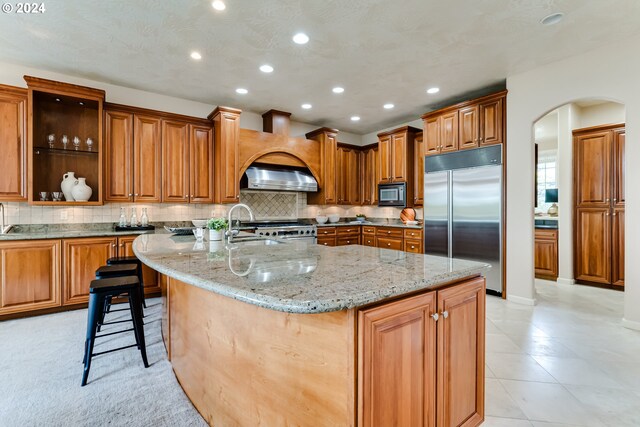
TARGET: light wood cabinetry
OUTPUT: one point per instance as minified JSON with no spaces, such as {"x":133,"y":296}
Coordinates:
{"x":421,"y":359}
{"x":599,"y":187}
{"x":147,"y":159}
{"x":119,"y":169}
{"x":226,"y":128}
{"x":175,"y":161}
{"x":370,"y":168}
{"x":396,"y":149}
{"x":546,"y":253}
{"x":29,"y":276}
{"x":200,"y":164}
{"x":418,"y":198}
{"x":327,"y":193}
{"x":408,"y":240}
{"x":13,"y":140}
{"x":471,"y":124}
{"x":348,"y":175}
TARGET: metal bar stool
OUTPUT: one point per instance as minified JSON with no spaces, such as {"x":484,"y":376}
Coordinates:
{"x":107,"y":271}
{"x":99,"y":291}
{"x":131,"y":260}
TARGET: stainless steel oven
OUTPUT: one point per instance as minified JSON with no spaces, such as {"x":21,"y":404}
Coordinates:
{"x":394,"y":194}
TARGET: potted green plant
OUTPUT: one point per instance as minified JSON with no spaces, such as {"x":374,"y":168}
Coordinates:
{"x":360,"y":217}
{"x":216,"y":228}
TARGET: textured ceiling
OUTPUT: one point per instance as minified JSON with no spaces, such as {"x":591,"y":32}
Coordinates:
{"x":379,"y":50}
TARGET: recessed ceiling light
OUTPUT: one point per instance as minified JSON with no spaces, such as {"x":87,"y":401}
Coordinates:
{"x":355,"y":118}
{"x":196,"y":55}
{"x":388,"y":106}
{"x":301,"y":38}
{"x":338,"y":89}
{"x":242,"y":91}
{"x":266,"y":68}
{"x":433,"y":90}
{"x":218,"y":5}
{"x":552,"y":19}
{"x":306,"y":106}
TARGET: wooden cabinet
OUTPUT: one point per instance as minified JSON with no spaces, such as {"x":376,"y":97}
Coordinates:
{"x":348,"y":235}
{"x":407,"y":239}
{"x":81,"y":258}
{"x":147,"y":159}
{"x":149,"y":275}
{"x":348,"y":175}
{"x":396,"y":149}
{"x":421,"y":359}
{"x":175,"y":161}
{"x":370,"y":174}
{"x":389,"y":238}
{"x":418,"y":198}
{"x":546,"y":253}
{"x":327,"y":193}
{"x":200,"y":164}
{"x":29,"y":275}
{"x":471,"y":124}
{"x":599,"y":187}
{"x":227,"y":137}
{"x":492,"y":126}
{"x":413,"y":241}
{"x":469,"y":127}
{"x":13,"y":140}
{"x":593,"y":249}
{"x":118,"y":156}
{"x":384,"y":149}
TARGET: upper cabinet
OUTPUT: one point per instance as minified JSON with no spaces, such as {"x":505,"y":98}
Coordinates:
{"x":348,"y":174}
{"x":419,"y":147}
{"x":396,"y":154}
{"x":200,"y":164}
{"x":226,"y":125}
{"x":13,"y":131}
{"x":65,"y":135}
{"x":327,"y":192}
{"x":470,"y":124}
{"x":370,"y":174}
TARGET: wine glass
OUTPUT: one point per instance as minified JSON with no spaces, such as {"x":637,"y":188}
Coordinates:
{"x":76,"y":142}
{"x":89,"y":143}
{"x":65,"y":141}
{"x":52,"y":139}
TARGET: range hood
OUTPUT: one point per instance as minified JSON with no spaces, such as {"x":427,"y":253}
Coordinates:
{"x":279,"y":178}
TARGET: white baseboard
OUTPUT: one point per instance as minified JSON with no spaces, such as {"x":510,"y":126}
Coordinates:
{"x":631,"y":324}
{"x":563,"y":281}
{"x":521,"y":300}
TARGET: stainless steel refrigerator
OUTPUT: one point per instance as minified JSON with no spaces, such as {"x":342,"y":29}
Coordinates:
{"x":463,"y":208}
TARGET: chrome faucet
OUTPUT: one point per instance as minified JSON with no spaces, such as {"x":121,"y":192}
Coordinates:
{"x":4,"y":229}
{"x":231,"y":233}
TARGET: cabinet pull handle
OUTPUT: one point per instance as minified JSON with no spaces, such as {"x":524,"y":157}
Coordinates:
{"x":445,"y":314}
{"x":435,"y":316}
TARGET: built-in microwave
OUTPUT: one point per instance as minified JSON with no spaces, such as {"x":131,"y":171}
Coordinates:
{"x":394,"y":194}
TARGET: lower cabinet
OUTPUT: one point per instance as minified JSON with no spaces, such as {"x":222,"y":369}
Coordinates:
{"x":348,"y":235}
{"x":149,"y":275}
{"x":421,"y":359}
{"x":82,"y":257}
{"x":546,"y":253}
{"x":407,"y":240}
{"x":29,"y":276}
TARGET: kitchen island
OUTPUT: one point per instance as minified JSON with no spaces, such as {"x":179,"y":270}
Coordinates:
{"x":283,"y":333}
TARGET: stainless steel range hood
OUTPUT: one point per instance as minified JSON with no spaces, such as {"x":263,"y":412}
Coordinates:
{"x":269,"y":177}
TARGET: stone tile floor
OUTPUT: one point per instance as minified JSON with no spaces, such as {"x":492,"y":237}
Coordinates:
{"x":565,"y":362}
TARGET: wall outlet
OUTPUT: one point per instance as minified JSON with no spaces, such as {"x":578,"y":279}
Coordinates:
{"x":64,"y":215}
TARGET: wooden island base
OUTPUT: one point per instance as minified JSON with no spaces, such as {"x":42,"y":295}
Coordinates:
{"x":389,"y":364}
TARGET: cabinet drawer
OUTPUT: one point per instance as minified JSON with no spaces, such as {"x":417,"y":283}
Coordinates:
{"x":546,"y":234}
{"x":348,"y":240}
{"x":348,"y":231}
{"x":327,"y":240}
{"x":368,"y":230}
{"x":389,"y":232}
{"x":414,"y":246}
{"x":326,"y":231}
{"x":368,"y":240}
{"x":414,"y":234}
{"x":389,"y":243}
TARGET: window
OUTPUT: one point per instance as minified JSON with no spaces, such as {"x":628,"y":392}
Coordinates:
{"x":547,"y":162}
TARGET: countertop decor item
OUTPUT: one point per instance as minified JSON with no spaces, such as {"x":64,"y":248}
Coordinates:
{"x":551,"y":196}
{"x":408,"y":214}
{"x":81,"y":192}
{"x":334,"y":218}
{"x":216,"y":228}
{"x":360,"y":217}
{"x":321,"y":219}
{"x":68,"y":182}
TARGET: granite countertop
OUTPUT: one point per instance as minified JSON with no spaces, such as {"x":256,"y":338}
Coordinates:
{"x":374,"y":222}
{"x":298,"y":276}
{"x":69,"y":231}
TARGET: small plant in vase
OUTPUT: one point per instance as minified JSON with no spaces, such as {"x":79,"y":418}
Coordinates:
{"x":216,"y":228}
{"x":360,"y":217}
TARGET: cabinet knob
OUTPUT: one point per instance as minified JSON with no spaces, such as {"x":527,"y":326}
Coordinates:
{"x":607,"y":214}
{"x":186,"y":196}
{"x":192,"y":196}
{"x":615,"y":200}
{"x":136,"y":194}
{"x":435,"y":316}
{"x":614,"y":214}
{"x":113,"y":245}
{"x":388,"y":244}
{"x":325,"y":244}
{"x":445,"y":314}
{"x":413,"y":247}
{"x":607,"y":200}
{"x":130,"y":194}
{"x":348,"y":241}
{"x":388,"y":232}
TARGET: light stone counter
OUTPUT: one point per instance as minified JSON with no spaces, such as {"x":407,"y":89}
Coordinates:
{"x":299,"y":277}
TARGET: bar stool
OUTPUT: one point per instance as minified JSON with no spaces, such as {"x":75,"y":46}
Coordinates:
{"x":130,"y":260}
{"x":107,"y":271}
{"x":99,"y":291}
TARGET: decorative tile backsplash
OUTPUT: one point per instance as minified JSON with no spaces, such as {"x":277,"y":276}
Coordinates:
{"x":265,"y":205}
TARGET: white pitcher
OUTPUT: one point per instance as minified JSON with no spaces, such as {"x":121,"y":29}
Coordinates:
{"x":68,"y":182}
{"x":81,"y":191}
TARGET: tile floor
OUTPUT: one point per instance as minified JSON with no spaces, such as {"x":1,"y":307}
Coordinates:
{"x":565,"y":362}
